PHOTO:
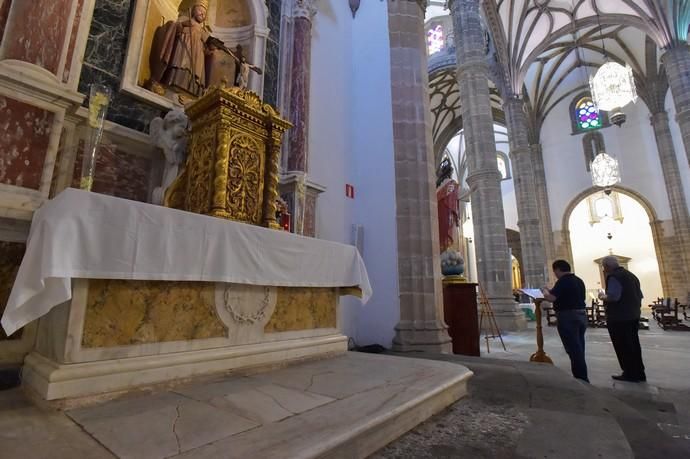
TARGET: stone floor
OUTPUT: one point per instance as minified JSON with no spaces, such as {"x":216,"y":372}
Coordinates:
{"x":514,"y":409}
{"x":351,"y":404}
{"x":666,"y":354}
{"x":517,"y":409}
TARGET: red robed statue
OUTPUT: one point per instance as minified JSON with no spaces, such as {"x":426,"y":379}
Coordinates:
{"x":447,"y":195}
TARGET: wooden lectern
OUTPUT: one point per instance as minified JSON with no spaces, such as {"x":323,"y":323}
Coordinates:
{"x":540,"y":356}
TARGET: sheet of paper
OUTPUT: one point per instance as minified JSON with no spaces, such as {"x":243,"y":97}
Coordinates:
{"x":534,"y":293}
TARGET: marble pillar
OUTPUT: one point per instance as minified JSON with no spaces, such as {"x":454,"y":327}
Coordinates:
{"x":676,"y":199}
{"x":299,"y":193}
{"x":677,"y":63}
{"x":298,"y":139}
{"x":421,"y":326}
{"x":484,"y":179}
{"x":531,"y":235}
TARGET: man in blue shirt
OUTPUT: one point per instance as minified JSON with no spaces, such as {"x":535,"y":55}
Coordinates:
{"x":568,"y":298}
{"x":623,"y":300}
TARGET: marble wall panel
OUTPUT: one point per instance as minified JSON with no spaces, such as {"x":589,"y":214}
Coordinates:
{"x":4,"y":12}
{"x":104,"y":60}
{"x":58,"y":159}
{"x":24,"y":138}
{"x":11,"y":254}
{"x":303,"y":309}
{"x":36,"y":32}
{"x":271,"y":72}
{"x":117,"y":173}
{"x":72,"y":41}
{"x":310,"y":215}
{"x":120,"y":313}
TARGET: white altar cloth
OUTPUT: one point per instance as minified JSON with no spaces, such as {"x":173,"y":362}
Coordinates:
{"x":87,"y":235}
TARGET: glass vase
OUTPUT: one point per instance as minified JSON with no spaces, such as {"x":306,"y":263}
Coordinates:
{"x":99,"y":99}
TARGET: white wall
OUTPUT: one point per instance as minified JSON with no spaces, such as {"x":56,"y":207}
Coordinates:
{"x":632,"y":144}
{"x":330,"y":130}
{"x":510,"y":212}
{"x":351,"y":142}
{"x":374,"y":173}
{"x":330,"y":124}
{"x":632,"y":238}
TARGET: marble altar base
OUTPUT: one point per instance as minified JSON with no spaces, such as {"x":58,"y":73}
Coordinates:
{"x":116,"y":335}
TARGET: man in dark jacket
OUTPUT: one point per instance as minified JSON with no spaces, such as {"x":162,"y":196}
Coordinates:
{"x":568,"y":298}
{"x":623,"y":300}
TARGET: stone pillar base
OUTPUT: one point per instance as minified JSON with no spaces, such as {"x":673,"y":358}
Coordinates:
{"x":419,"y":336}
{"x":510,"y":321}
{"x":509,"y":316}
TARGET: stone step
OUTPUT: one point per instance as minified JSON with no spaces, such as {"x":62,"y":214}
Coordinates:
{"x":347,"y":406}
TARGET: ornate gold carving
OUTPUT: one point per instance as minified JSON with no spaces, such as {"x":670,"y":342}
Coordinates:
{"x":271,"y":194}
{"x":245,"y":179}
{"x":305,"y":308}
{"x":233,"y":158}
{"x":199,"y":168}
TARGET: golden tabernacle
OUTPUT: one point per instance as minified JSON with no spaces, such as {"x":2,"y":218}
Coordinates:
{"x":232,"y":158}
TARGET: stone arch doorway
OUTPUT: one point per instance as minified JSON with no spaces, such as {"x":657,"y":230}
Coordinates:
{"x":585,"y":234}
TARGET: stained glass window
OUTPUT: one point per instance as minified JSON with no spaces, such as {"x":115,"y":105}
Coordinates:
{"x":587,"y":114}
{"x":434,"y":38}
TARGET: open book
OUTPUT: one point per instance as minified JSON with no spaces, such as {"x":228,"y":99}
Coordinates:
{"x":533,"y":293}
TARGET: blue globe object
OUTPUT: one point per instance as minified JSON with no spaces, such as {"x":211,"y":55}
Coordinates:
{"x":456,"y":270}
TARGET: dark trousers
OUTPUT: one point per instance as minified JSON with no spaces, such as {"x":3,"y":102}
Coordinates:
{"x":626,"y":343}
{"x":572,"y":325}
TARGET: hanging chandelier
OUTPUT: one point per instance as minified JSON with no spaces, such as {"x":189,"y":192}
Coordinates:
{"x":605,"y":172}
{"x":613,"y":86}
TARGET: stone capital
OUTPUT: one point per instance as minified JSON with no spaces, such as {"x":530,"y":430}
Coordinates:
{"x":473,"y":5}
{"x":527,"y":221}
{"x":304,"y":9}
{"x":660,"y":116}
{"x":473,"y":67}
{"x":518,"y":151}
{"x":683,"y":117}
{"x":674,"y":52}
{"x":513,"y":101}
{"x":480,"y":175}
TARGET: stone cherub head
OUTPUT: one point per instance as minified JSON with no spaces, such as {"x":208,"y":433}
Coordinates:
{"x":170,"y":135}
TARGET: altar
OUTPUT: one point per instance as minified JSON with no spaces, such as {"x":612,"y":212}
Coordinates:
{"x":129,"y":294}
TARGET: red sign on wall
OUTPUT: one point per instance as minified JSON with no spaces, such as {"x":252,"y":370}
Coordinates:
{"x":349,"y":191}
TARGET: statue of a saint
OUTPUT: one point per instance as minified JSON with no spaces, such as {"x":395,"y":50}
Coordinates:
{"x":179,"y":52}
{"x":447,"y":194}
{"x":170,"y":135}
{"x":185,"y":56}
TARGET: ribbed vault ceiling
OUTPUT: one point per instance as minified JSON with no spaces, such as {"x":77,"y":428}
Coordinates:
{"x":547,"y":49}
